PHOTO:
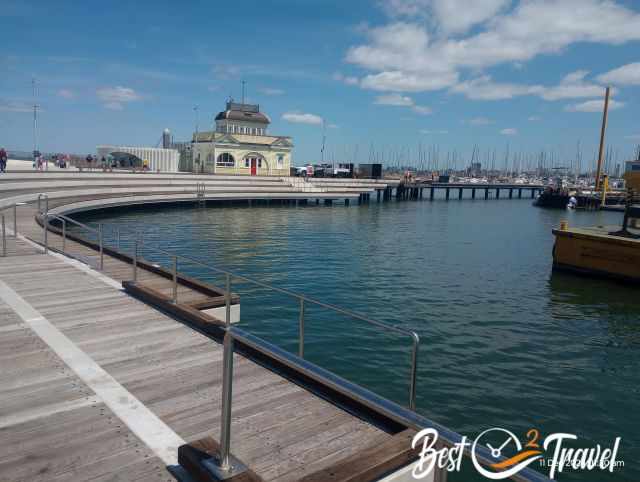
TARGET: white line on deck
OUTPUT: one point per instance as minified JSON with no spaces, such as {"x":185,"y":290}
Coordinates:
{"x":158,"y":436}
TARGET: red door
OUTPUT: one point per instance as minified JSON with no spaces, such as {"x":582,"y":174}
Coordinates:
{"x":254,"y":166}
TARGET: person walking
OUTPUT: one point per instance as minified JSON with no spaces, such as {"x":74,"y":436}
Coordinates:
{"x":3,"y":160}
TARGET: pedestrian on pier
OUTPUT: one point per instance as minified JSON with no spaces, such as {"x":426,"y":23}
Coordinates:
{"x":3,"y":160}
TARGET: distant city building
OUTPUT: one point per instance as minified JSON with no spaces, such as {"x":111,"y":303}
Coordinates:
{"x":240,"y":145}
{"x":166,"y":139}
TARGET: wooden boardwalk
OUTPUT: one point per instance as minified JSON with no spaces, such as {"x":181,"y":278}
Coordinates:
{"x":55,"y":427}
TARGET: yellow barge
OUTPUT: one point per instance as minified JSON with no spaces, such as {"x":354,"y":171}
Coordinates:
{"x":595,"y":252}
{"x":604,"y":251}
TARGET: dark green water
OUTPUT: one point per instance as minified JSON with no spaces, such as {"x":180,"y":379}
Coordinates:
{"x":504,"y":341}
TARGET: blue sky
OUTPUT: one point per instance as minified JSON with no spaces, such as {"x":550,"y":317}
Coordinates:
{"x":384,"y":75}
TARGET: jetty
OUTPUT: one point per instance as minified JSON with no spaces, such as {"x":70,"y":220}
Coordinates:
{"x":415,"y":189}
{"x":119,"y":368}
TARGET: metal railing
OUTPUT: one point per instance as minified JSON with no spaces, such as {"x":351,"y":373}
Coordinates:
{"x":13,"y":206}
{"x":302,"y":300}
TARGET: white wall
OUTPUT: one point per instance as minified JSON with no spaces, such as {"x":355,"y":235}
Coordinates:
{"x":164,"y":160}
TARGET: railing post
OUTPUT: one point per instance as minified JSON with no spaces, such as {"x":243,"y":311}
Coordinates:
{"x":118,"y":239}
{"x":101,"y":247}
{"x":225,"y":466}
{"x":4,"y":239}
{"x":414,"y":369}
{"x":135,"y":260}
{"x":227,"y":390}
{"x":45,"y":220}
{"x":175,"y":279}
{"x":227,"y":301}
{"x":301,"y":330}
{"x":64,"y":235}
{"x":15,"y":220}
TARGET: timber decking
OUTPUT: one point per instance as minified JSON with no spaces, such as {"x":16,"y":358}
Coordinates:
{"x":52,"y":426}
{"x":280,"y":430}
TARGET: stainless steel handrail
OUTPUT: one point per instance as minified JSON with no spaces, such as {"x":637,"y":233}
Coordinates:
{"x":46,"y":199}
{"x":73,"y":221}
{"x":303,"y":299}
{"x":4,"y":238}
{"x":15,"y":216}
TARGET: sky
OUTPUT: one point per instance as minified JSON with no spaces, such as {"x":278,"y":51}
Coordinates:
{"x":387,"y":78}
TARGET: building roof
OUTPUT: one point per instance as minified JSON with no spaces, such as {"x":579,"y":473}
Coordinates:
{"x":243,"y":112}
{"x":209,"y":136}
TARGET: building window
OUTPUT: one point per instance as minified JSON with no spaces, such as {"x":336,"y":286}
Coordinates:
{"x":260,"y":162}
{"x":280,"y":161}
{"x":225,"y":160}
{"x":247,"y":162}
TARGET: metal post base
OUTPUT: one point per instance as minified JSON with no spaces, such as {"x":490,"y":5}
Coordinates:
{"x":213,"y":466}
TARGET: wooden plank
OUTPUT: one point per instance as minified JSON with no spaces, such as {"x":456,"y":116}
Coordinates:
{"x":371,"y":463}
{"x":192,"y":455}
{"x":164,"y":302}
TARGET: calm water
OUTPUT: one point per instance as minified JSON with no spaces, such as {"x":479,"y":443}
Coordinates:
{"x":504,"y":341}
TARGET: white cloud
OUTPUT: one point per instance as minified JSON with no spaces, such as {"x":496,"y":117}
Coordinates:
{"x":66,"y":94}
{"x":345,"y":78}
{"x":572,"y":86}
{"x":483,"y":88}
{"x":394,"y":99}
{"x":270,"y":91}
{"x":479,"y":121}
{"x":403,"y":82}
{"x":446,"y":15}
{"x":411,"y":54}
{"x":534,"y":118}
{"x":114,"y":98}
{"x":509,"y":131}
{"x":302,"y":118}
{"x":422,"y":109}
{"x":15,"y":106}
{"x":593,"y":106}
{"x":402,"y":101}
{"x":626,"y":75}
{"x":433,"y":132}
